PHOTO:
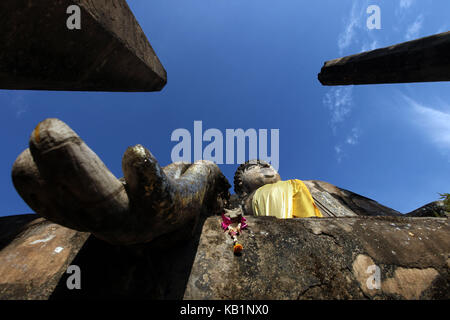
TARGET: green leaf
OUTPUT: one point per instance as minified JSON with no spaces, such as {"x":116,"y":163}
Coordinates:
{"x":446,"y":198}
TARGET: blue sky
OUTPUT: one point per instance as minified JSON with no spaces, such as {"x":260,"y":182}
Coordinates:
{"x":253,"y":64}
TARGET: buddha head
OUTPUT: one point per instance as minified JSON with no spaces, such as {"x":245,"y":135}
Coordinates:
{"x":252,"y":175}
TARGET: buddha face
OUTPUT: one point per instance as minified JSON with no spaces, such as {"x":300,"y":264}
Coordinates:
{"x":257,"y":175}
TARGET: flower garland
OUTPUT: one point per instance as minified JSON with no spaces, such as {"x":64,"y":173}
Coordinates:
{"x":234,"y":232}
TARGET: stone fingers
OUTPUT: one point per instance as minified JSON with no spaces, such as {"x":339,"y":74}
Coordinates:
{"x":205,"y":185}
{"x":89,"y":196}
{"x":167,"y":202}
{"x":37,"y":193}
{"x":150,"y":191}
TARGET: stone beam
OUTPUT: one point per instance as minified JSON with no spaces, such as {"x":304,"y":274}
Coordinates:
{"x":421,"y":60}
{"x":109,"y":53}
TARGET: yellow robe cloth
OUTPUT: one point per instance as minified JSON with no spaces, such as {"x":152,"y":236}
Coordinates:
{"x":285,"y":200}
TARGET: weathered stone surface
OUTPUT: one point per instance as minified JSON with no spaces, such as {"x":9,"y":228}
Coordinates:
{"x":282,"y":259}
{"x":421,"y":60}
{"x":433,"y":209}
{"x":34,"y":255}
{"x":109,"y":53}
{"x":30,"y":268}
{"x":325,"y":258}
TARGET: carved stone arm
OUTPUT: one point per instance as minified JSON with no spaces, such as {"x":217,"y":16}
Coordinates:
{"x":63,"y":180}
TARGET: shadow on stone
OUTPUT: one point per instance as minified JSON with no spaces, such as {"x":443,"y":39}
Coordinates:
{"x":132,"y":272}
{"x":11,"y":227}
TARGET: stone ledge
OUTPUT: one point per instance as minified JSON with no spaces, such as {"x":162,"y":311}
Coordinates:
{"x":34,"y":255}
{"x":315,"y":258}
{"x":324,"y":259}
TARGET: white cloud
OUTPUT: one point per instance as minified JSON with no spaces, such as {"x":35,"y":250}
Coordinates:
{"x":339,"y":153}
{"x":370,"y":46}
{"x":434,"y":123}
{"x":356,"y":31}
{"x":339,"y":101}
{"x":353,"y":137}
{"x":414,"y":29}
{"x":346,"y":37}
{"x":351,"y":141}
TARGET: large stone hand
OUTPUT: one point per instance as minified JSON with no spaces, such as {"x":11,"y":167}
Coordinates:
{"x":63,"y":180}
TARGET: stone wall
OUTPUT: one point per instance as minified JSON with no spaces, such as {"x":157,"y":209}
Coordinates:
{"x":325,"y":258}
